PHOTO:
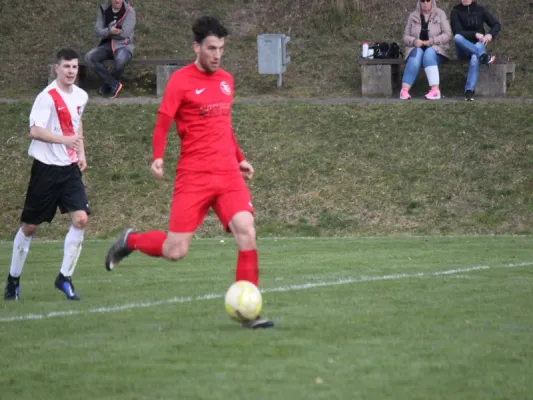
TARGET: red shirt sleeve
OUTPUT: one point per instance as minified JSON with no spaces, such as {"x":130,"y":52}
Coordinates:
{"x":170,"y":104}
{"x":239,"y":154}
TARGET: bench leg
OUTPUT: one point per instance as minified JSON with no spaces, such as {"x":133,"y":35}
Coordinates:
{"x":51,"y":73}
{"x":376,"y":80}
{"x":492,"y":81}
{"x":510,"y":72}
{"x":162,"y":73}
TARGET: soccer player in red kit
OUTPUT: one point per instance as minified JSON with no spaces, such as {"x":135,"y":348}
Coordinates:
{"x":211,"y":170}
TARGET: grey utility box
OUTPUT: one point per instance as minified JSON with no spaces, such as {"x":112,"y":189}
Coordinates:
{"x":272,"y":54}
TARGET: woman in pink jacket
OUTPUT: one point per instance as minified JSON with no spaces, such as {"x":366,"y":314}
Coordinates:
{"x":427,"y":38}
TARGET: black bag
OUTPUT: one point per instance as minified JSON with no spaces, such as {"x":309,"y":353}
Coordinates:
{"x":385,"y":50}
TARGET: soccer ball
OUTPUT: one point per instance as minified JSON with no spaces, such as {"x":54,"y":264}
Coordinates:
{"x":243,"y":301}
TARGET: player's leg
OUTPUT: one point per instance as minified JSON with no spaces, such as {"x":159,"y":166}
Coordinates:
{"x":73,"y":200}
{"x":39,"y":206}
{"x":235,"y":211}
{"x":190,"y":204}
{"x":21,"y":247}
{"x":242,"y":226}
{"x":172,"y":246}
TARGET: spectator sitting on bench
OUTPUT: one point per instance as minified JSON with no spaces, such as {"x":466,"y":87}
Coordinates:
{"x":115,"y":24}
{"x":467,"y":20}
{"x":427,"y":38}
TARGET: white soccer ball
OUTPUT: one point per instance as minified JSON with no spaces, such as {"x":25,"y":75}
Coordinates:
{"x":243,"y":301}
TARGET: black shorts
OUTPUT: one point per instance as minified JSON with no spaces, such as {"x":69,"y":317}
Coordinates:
{"x":50,"y":187}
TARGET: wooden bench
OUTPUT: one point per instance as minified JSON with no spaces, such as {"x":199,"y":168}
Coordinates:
{"x":380,"y":77}
{"x":164,"y":67}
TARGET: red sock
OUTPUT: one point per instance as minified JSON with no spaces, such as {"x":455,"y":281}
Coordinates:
{"x":247,"y":267}
{"x":149,"y":243}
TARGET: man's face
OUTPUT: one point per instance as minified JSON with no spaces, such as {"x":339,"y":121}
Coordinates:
{"x":117,"y":4}
{"x":66,"y":71}
{"x":209,"y":53}
{"x":466,"y":2}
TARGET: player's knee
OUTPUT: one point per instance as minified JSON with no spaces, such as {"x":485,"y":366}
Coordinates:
{"x":457,"y":37}
{"x":28,"y":229}
{"x":80,"y":220}
{"x":175,"y":251}
{"x":245,"y":236}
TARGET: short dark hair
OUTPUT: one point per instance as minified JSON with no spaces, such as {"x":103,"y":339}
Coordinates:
{"x":208,"y":26}
{"x":66,"y":55}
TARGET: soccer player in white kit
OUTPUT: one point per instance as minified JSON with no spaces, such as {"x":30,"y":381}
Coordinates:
{"x":56,"y":134}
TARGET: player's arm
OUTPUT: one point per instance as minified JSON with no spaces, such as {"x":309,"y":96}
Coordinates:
{"x":167,"y":110}
{"x":46,"y":135}
{"x":39,"y":116}
{"x":82,"y":160}
{"x":238,"y":152}
{"x":246,"y":168}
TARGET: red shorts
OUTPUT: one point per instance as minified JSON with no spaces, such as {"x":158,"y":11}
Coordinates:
{"x":196,"y":192}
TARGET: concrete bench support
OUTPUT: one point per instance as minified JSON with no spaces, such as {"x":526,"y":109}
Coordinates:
{"x":382,"y":77}
{"x":163,"y":73}
{"x":377,"y":80}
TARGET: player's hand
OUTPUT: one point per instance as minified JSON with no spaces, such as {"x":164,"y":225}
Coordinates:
{"x":487,"y":39}
{"x":74,"y":142}
{"x":157,"y":168}
{"x":115,"y":31}
{"x":479,"y":37}
{"x":247,"y":170}
{"x":418,"y":43}
{"x":82,"y":164}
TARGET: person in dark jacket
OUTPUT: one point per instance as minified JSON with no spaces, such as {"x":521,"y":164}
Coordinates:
{"x":468,"y":20}
{"x":114,"y":28}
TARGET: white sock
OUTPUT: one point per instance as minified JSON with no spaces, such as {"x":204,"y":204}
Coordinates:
{"x":21,"y":246}
{"x":72,"y":250}
{"x":432,"y":74}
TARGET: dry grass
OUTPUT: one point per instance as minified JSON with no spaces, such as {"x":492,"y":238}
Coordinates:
{"x":321,"y":169}
{"x":325,"y":41}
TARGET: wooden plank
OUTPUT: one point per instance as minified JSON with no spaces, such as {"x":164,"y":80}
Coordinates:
{"x":399,"y":61}
{"x":381,"y":61}
{"x":160,"y":61}
{"x":145,"y":61}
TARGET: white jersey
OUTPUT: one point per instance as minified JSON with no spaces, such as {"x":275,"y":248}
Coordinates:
{"x":45,"y":113}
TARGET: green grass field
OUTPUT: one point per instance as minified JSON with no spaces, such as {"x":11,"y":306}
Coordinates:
{"x":368,"y":318}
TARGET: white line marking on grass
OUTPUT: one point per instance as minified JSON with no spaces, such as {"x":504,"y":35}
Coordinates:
{"x":317,"y":238}
{"x":522,"y":264}
{"x":211,"y":296}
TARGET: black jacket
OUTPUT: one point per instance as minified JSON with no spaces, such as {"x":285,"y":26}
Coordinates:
{"x":469,"y":20}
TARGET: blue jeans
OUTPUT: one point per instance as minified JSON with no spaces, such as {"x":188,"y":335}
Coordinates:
{"x":417,"y":58}
{"x":95,"y":61}
{"x":466,"y":50}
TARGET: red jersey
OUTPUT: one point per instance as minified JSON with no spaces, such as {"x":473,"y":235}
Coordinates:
{"x":200,"y":105}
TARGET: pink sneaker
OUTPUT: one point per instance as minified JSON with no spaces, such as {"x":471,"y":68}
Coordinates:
{"x":433,"y":94}
{"x":404,"y":94}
